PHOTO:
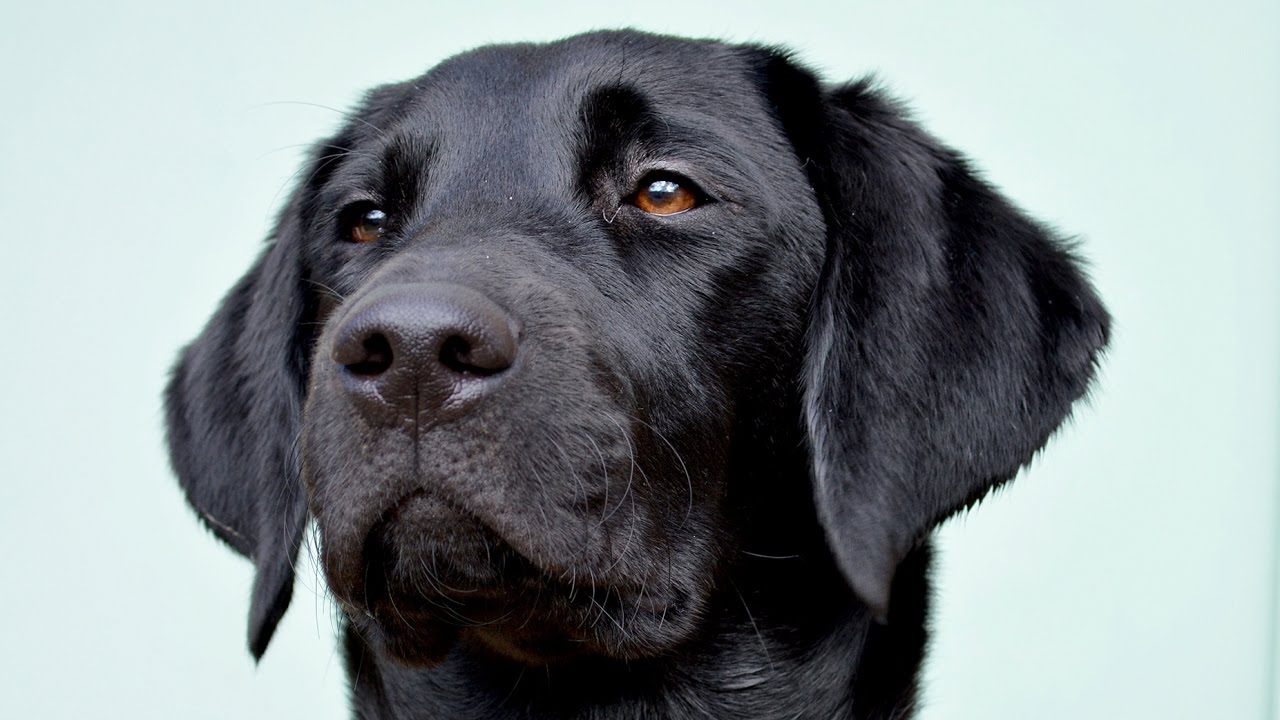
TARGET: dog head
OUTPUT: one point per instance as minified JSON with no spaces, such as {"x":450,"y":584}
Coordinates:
{"x":543,"y":333}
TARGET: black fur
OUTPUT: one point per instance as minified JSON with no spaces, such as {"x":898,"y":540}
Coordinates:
{"x":704,"y":485}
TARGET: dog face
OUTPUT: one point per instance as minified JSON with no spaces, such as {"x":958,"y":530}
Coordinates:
{"x":550,"y":334}
{"x":522,"y":404}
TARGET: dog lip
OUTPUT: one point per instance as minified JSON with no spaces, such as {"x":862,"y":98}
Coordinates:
{"x":393,"y":564}
{"x":394,"y":509}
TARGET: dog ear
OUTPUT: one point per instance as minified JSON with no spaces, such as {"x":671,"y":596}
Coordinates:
{"x":233,"y":407}
{"x":949,"y":334}
{"x":234,"y":401}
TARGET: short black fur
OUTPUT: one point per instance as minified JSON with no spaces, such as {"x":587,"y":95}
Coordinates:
{"x":653,"y":466}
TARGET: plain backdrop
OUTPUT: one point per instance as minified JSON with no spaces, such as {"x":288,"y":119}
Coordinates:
{"x":1130,"y":573}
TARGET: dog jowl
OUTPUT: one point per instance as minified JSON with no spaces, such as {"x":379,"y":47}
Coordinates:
{"x":649,"y":363}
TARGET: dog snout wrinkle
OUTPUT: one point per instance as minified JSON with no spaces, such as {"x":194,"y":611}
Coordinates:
{"x":427,"y":351}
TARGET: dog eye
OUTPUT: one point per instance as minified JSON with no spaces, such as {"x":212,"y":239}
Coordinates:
{"x":666,"y":194}
{"x":365,"y":223}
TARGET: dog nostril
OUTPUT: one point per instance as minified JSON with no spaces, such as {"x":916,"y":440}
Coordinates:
{"x":376,"y":357}
{"x":457,"y":355}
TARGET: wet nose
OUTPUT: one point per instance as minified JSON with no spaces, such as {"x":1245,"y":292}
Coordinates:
{"x":426,"y":350}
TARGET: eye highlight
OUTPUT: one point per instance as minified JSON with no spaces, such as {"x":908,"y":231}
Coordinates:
{"x":364,"y":223}
{"x":666,"y":194}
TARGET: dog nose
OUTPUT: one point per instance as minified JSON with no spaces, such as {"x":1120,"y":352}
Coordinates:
{"x":429,"y":350}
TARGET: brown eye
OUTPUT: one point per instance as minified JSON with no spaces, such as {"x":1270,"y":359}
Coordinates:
{"x":367,"y":226}
{"x":665,"y":195}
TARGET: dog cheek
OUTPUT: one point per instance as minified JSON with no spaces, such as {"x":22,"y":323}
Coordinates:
{"x":350,"y":471}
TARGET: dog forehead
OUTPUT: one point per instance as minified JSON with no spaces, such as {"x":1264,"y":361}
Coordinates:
{"x":542,"y":74}
{"x":505,"y":106}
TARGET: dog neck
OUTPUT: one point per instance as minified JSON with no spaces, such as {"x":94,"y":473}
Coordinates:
{"x":770,"y":651}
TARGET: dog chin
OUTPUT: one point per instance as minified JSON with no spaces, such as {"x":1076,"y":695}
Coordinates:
{"x":546,"y":627}
{"x":429,"y":579}
{"x":418,"y":638}
{"x":411,"y":640}
{"x":528,"y":648}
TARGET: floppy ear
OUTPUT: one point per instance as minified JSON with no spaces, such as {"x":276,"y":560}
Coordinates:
{"x":233,"y":410}
{"x":950,"y":335}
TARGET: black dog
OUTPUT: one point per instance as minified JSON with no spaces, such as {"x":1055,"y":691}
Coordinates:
{"x":626,"y":376}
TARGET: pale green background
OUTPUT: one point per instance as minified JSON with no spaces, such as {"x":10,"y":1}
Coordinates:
{"x":1130,"y":574}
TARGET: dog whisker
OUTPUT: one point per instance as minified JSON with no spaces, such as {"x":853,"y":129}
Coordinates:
{"x":769,"y":557}
{"x":344,"y":113}
{"x":604,"y":469}
{"x":330,"y":291}
{"x":630,"y":476}
{"x":320,"y":164}
{"x":754,"y":627}
{"x":683,"y":467}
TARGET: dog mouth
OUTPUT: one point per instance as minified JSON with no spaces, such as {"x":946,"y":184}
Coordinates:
{"x":434,"y":577}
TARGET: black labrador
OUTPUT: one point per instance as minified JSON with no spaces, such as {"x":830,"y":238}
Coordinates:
{"x":626,"y":377}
